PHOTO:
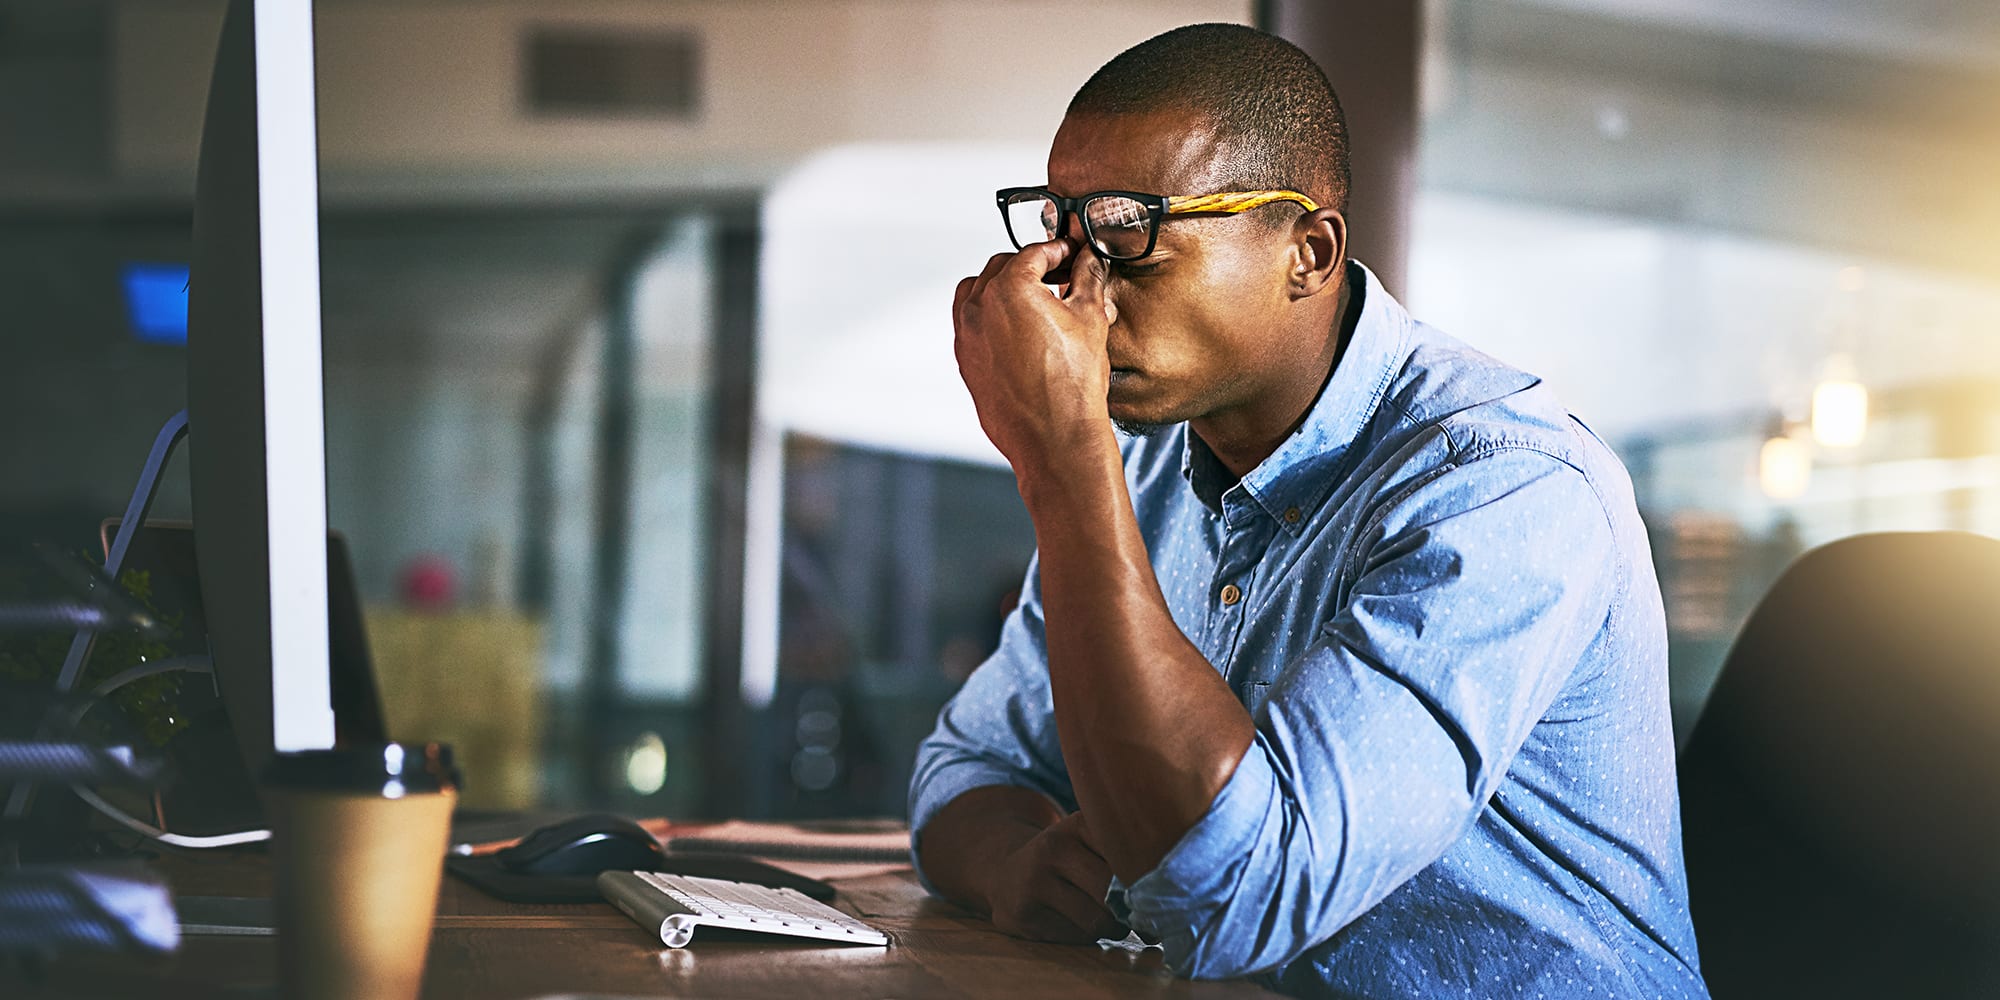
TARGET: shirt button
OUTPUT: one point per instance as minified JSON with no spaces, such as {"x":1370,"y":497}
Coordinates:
{"x":1231,"y":594}
{"x":1291,"y":515}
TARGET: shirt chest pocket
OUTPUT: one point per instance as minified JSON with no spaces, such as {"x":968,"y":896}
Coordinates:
{"x":1285,"y":636}
{"x":1267,"y":653}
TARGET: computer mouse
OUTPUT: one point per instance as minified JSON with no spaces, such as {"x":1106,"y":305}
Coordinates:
{"x":584,"y":845}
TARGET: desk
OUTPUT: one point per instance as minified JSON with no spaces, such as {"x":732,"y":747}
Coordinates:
{"x":492,"y":950}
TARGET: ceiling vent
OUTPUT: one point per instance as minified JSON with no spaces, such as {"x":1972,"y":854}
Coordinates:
{"x":598,"y":72}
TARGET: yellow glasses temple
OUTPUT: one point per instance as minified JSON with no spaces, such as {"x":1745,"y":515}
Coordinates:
{"x":1235,"y":201}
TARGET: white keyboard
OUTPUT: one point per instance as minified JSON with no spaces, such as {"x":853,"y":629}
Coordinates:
{"x":674,"y":905}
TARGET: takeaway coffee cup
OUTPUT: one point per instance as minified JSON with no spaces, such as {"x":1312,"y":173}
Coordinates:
{"x":359,"y":836}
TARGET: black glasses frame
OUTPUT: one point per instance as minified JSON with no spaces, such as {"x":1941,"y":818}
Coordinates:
{"x":1155,"y":204}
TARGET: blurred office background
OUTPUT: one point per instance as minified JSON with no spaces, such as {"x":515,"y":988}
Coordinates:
{"x":642,"y":422}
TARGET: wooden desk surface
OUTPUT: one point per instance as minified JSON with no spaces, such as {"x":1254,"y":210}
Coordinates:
{"x":488,"y":949}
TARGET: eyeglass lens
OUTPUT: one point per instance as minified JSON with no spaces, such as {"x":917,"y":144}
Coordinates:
{"x":1031,"y":218}
{"x":1118,"y":226}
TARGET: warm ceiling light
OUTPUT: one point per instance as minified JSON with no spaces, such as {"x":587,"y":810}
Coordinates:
{"x":1784,"y":468}
{"x":1839,"y":413}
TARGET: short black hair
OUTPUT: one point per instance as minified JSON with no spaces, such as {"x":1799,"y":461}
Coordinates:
{"x":1276,"y":117}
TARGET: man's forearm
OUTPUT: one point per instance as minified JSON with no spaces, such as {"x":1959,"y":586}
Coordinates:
{"x":1150,"y":731}
{"x":961,"y":845}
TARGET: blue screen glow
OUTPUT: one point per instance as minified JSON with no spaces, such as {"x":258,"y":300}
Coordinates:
{"x":156,"y":298}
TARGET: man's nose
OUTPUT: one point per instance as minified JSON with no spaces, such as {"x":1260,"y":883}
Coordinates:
{"x":1075,"y":229}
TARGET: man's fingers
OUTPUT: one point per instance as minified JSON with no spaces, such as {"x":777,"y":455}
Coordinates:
{"x":1038,"y":259}
{"x":1085,"y":869}
{"x":958,"y":299}
{"x":1029,"y":265}
{"x":1086,"y":914}
{"x":1061,"y":893}
{"x":1086,"y":282}
{"x":994,"y":265}
{"x":972,"y":287}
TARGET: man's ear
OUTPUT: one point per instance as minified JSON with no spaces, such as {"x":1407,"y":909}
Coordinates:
{"x":1319,"y":252}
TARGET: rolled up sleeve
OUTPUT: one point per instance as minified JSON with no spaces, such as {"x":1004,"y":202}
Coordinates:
{"x":998,"y":730}
{"x":1379,"y":746}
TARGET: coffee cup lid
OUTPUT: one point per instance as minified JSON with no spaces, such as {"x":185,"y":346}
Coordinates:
{"x":387,"y":769}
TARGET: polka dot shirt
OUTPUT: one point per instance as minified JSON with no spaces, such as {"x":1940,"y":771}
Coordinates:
{"x":1437,"y":601}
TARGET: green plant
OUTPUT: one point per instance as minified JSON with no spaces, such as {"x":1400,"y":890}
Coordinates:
{"x":148,"y":705}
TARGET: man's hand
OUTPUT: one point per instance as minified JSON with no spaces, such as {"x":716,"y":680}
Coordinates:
{"x":1036,"y":364}
{"x":1012,"y":854}
{"x":1051,"y":888}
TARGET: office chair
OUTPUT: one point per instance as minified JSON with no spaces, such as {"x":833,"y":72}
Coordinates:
{"x":1840,"y":794}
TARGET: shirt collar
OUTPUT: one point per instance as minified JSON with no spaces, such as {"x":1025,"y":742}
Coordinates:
{"x":1301,"y":473}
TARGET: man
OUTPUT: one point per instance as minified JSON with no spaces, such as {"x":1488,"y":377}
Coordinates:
{"x":1348,"y":667}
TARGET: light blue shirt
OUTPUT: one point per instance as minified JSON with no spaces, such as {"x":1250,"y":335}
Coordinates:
{"x":1450,"y":637}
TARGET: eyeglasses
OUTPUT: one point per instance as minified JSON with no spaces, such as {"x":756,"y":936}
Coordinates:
{"x":1119,"y":225}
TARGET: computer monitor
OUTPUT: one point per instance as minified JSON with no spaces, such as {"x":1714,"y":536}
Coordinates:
{"x":256,"y":421}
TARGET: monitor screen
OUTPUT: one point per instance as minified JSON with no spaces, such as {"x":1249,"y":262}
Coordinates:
{"x":256,"y":425}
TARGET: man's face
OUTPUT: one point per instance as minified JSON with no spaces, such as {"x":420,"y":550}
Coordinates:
{"x":1200,"y":323}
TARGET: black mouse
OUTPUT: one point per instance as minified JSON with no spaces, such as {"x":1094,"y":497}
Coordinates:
{"x":584,"y":845}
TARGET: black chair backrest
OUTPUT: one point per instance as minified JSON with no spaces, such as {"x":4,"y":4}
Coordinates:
{"x":1840,"y":794}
